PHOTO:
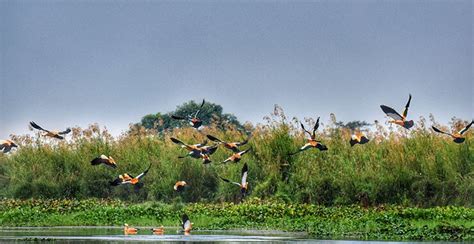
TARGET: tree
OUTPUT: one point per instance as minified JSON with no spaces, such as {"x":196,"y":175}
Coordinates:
{"x":352,"y":125}
{"x":210,"y":113}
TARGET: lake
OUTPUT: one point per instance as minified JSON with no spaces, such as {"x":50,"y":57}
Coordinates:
{"x":82,"y":234}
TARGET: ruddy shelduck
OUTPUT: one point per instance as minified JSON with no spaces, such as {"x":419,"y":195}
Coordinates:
{"x":457,"y":136}
{"x":358,"y":138}
{"x":397,"y":118}
{"x":126,"y":178}
{"x":102,"y":159}
{"x":243,"y":183}
{"x":129,"y":230}
{"x":7,"y":145}
{"x":180,"y":185}
{"x":311,"y":141}
{"x":193,"y":119}
{"x":158,"y":231}
{"x":236,"y":157}
{"x":186,"y":224}
{"x":50,"y":133}
{"x":234,"y":146}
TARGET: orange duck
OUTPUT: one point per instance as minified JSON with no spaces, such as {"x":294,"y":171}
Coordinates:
{"x":129,"y":230}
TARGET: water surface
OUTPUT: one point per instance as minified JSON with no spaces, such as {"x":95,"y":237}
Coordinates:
{"x":82,"y":234}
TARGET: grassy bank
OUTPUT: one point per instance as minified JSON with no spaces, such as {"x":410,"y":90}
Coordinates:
{"x":348,"y":222}
{"x":415,"y":167}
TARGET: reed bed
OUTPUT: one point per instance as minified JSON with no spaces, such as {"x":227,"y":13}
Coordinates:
{"x":414,"y":168}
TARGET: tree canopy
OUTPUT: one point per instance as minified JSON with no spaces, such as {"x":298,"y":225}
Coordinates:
{"x":210,"y":113}
{"x":353,"y":125}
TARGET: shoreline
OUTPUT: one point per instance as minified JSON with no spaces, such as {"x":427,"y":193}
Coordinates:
{"x":389,"y":222}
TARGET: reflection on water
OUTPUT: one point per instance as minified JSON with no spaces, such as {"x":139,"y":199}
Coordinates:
{"x":84,"y":234}
{"x":115,"y":235}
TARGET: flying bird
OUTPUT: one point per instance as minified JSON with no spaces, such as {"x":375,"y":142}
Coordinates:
{"x":179,"y":186}
{"x":102,"y":159}
{"x":234,"y":146}
{"x":311,"y":134}
{"x":126,"y":178}
{"x":358,"y":138}
{"x":54,"y":134}
{"x":193,"y":119}
{"x":129,"y":230}
{"x":457,"y":136}
{"x":243,"y":183}
{"x":312,"y":142}
{"x":209,"y":150}
{"x":236,"y":156}
{"x":186,"y":224}
{"x":198,"y":155}
{"x":188,"y":146}
{"x":7,"y":145}
{"x":399,"y":119}
{"x":196,"y":150}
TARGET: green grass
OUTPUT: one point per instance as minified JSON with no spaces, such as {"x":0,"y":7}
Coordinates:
{"x":344,"y":222}
{"x":414,"y":168}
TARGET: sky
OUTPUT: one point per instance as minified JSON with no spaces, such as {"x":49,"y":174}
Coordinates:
{"x":73,"y":63}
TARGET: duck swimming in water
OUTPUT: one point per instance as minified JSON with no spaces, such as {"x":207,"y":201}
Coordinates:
{"x":186,"y":224}
{"x":129,"y":230}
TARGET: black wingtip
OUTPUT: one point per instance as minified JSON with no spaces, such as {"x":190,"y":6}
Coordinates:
{"x":176,"y":140}
{"x":245,"y":168}
{"x":115,"y":182}
{"x":224,"y":179}
{"x":213,"y":138}
{"x":352,"y":142}
{"x":95,"y":161}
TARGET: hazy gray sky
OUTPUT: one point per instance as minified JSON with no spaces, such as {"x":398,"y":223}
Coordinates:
{"x":66,"y":63}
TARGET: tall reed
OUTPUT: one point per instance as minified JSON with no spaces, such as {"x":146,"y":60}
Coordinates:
{"x":415,"y":167}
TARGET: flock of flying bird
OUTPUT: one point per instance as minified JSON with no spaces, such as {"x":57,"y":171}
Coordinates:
{"x":203,"y":151}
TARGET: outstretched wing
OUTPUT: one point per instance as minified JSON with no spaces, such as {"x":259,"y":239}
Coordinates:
{"x":185,"y":222}
{"x":245,"y":171}
{"x":199,"y":110}
{"x":178,"y":141}
{"x":144,"y":173}
{"x":316,"y":126}
{"x":232,"y":182}
{"x":36,"y":126}
{"x":391,"y":112}
{"x":304,"y":129}
{"x":244,"y":152}
{"x":405,"y":112}
{"x":65,"y":132}
{"x":213,"y":138}
{"x":242,"y":143}
{"x":116,"y":182}
{"x":99,"y":160}
{"x":440,"y":131}
{"x":466,"y":128}
{"x":211,"y":150}
{"x":202,"y":144}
